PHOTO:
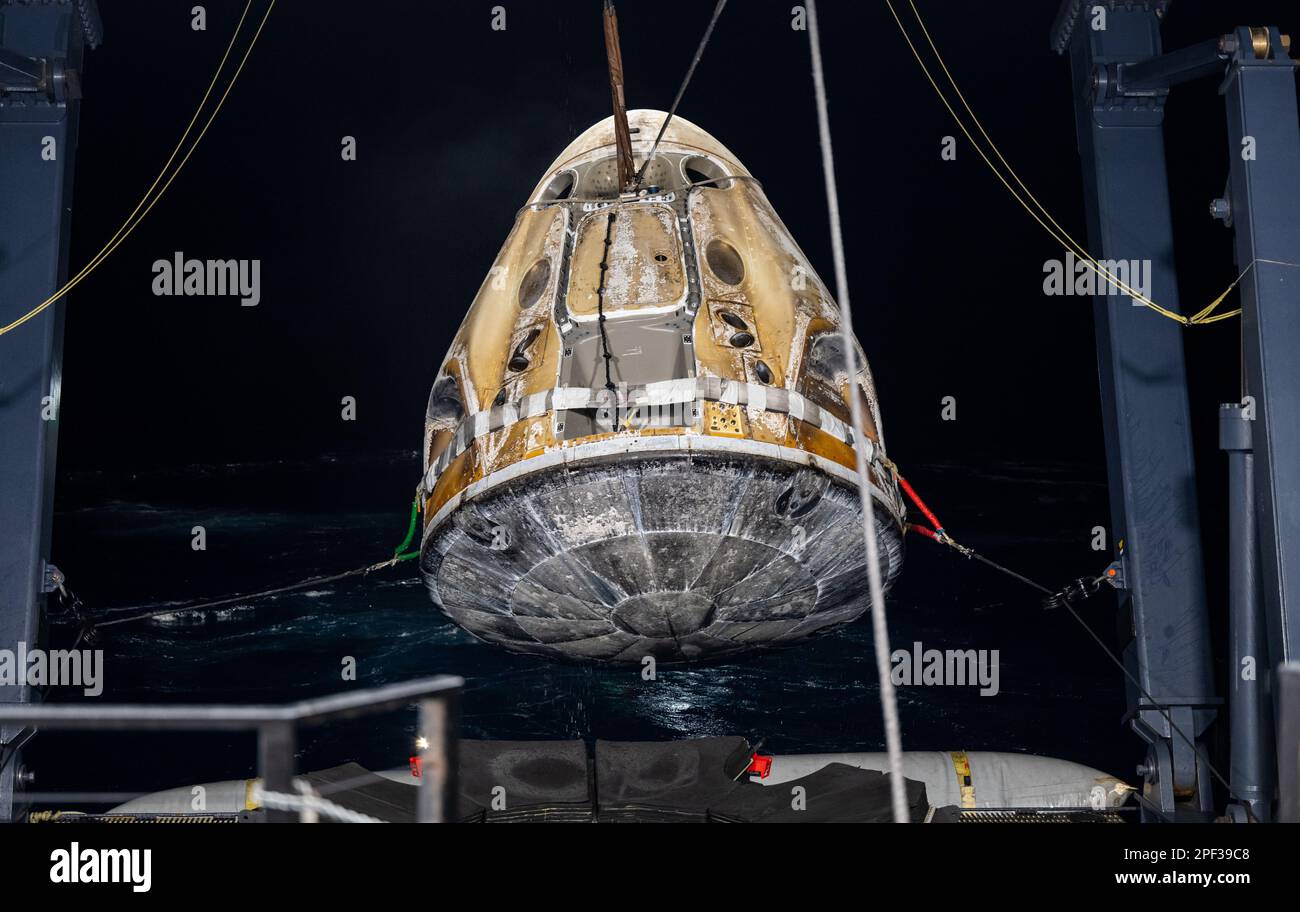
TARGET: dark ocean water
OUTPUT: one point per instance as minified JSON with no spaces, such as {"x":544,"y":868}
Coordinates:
{"x":124,"y":540}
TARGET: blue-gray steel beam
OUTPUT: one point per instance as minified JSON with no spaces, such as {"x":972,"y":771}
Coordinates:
{"x":1144,"y":397}
{"x":1288,"y":743}
{"x":35,"y":204}
{"x":1159,"y":73}
{"x":1250,"y":706}
{"x":1264,"y":196}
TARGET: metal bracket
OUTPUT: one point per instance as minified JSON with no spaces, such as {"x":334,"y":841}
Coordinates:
{"x":1114,"y":574}
{"x":1155,"y":76}
{"x":22,"y":74}
{"x":47,"y":77}
{"x":53,"y":579}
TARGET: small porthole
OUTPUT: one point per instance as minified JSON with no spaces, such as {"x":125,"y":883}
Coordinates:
{"x":733,"y":320}
{"x":742,"y":339}
{"x":763,"y":372}
{"x":661,"y":258}
{"x":500,"y":400}
{"x":560,"y":187}
{"x":698,"y":169}
{"x":445,"y":409}
{"x":518,"y":363}
{"x":724,"y":261}
{"x":534,"y":283}
{"x":527,"y":340}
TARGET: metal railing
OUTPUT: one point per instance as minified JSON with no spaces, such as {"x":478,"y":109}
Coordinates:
{"x":277,"y":731}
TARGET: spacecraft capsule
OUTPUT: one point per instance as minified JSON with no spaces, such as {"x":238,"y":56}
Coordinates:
{"x":639,"y":442}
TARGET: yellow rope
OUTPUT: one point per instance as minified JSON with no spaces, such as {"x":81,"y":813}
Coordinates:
{"x":1059,"y":234}
{"x":132,"y":222}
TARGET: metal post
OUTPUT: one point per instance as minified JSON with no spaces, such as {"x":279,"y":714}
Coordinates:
{"x":1147,"y":424}
{"x":439,"y":758}
{"x":451,"y":751}
{"x":277,"y":742}
{"x":38,"y":143}
{"x":432,"y":758}
{"x":1288,"y":743}
{"x":1263,"y":200}
{"x":1250,"y":709}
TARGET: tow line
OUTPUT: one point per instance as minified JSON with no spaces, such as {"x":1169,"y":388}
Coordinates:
{"x":1079,"y":590}
{"x":89,"y":623}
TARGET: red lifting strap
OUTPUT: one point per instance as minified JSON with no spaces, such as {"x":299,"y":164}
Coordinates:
{"x":924,"y":530}
{"x":920,"y":505}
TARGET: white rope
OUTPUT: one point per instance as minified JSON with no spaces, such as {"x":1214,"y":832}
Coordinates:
{"x":310,"y":804}
{"x":880,"y":631}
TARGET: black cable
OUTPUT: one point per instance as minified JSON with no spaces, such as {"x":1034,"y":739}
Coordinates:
{"x":1115,"y":659}
{"x":699,"y":52}
{"x":112,"y":619}
{"x":1150,"y":699}
{"x":1011,"y":573}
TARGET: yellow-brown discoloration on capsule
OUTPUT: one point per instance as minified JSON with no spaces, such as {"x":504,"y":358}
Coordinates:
{"x":455,"y":478}
{"x":778,"y":282}
{"x":644,"y":248}
{"x":762,"y":306}
{"x":490,"y":325}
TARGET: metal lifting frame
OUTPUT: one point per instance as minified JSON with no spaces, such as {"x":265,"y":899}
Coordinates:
{"x":1121,"y":79}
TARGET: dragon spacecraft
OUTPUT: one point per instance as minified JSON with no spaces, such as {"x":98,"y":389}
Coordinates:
{"x":640,"y":443}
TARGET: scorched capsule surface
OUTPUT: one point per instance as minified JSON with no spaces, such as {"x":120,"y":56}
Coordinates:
{"x":639,"y":442}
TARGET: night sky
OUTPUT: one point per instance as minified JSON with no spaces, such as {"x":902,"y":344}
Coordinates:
{"x":368,"y":267}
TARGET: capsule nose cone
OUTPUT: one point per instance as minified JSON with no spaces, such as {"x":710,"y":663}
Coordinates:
{"x":681,"y":136}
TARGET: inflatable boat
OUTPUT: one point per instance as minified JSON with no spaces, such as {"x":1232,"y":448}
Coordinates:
{"x":706,"y":779}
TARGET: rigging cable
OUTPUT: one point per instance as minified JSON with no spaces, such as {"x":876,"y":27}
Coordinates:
{"x":1062,"y":599}
{"x":880,"y":629}
{"x":132,"y":222}
{"x":690,"y":71}
{"x":253,"y":596}
{"x":1059,"y":234}
{"x":400,"y":554}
